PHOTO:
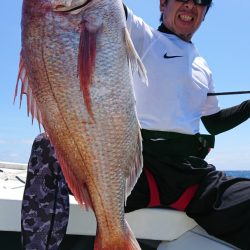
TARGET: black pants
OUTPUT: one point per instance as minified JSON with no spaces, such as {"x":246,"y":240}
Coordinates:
{"x":221,"y":205}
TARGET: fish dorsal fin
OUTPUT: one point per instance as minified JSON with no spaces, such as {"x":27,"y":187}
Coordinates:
{"x":134,"y":59}
{"x":23,"y":78}
{"x":79,"y":191}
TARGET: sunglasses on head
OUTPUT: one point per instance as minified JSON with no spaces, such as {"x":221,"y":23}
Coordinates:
{"x":198,"y":2}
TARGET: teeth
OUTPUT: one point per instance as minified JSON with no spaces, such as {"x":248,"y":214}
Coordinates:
{"x":185,"y":18}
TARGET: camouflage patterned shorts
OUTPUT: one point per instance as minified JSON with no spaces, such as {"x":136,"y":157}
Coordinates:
{"x":45,"y":206}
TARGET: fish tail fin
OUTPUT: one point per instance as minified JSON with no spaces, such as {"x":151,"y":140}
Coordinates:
{"x":130,"y":242}
{"x":86,"y":62}
{"x":133,"y":57}
{"x":127,"y":241}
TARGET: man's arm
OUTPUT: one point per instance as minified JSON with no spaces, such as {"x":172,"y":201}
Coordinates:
{"x":227,"y":119}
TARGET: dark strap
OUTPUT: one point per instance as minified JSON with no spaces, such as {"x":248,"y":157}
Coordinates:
{"x":177,"y":144}
{"x":155,"y":134}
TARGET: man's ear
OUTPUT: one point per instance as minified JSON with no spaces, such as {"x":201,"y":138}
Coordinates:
{"x":162,"y":3}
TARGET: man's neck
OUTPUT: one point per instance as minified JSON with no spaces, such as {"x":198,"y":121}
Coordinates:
{"x":164,"y":29}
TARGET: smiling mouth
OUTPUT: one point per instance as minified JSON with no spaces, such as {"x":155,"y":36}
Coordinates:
{"x":186,"y":18}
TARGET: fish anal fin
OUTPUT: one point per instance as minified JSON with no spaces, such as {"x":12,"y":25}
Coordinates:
{"x":136,"y":170}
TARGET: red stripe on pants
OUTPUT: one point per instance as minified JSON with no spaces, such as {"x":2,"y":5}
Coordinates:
{"x":180,"y":204}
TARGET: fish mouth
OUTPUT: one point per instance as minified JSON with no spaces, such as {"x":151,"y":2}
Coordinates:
{"x":75,"y":9}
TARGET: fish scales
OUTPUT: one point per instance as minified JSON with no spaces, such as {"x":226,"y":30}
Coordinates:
{"x":76,"y":70}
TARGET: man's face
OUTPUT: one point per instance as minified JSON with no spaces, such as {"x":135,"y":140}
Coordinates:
{"x":182,"y":18}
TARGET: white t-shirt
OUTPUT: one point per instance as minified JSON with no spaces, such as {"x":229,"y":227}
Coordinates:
{"x":179,"y":80}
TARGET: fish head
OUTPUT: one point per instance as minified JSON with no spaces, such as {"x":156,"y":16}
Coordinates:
{"x":93,"y":11}
{"x":56,"y":5}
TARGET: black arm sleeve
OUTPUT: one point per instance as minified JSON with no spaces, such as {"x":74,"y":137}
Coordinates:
{"x":227,"y":119}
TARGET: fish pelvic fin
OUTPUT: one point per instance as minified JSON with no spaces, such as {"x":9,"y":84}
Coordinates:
{"x":134,"y":59}
{"x":86,"y":62}
{"x":136,"y":169}
{"x":126,"y":241}
{"x":23,"y":78}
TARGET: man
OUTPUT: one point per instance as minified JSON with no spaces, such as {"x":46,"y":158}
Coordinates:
{"x":169,"y":110}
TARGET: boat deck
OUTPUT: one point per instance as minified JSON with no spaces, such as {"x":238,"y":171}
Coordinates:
{"x":149,"y":225}
{"x":144,"y":223}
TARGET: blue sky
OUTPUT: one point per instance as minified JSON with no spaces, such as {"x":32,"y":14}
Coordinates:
{"x":223,"y":40}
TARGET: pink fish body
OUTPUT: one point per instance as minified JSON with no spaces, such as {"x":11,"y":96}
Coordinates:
{"x":75,"y":69}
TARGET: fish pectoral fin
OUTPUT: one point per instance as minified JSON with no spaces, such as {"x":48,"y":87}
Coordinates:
{"x":86,"y":62}
{"x":134,"y":59}
{"x":23,"y":78}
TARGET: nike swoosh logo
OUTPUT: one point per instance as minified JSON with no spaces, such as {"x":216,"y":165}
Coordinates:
{"x":169,"y":57}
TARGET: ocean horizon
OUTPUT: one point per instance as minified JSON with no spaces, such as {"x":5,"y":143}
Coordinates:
{"x":238,"y":173}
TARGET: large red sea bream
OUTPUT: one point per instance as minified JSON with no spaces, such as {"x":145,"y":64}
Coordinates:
{"x":75,"y":69}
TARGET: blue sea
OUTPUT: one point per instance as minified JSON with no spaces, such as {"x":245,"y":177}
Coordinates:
{"x":240,"y":173}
